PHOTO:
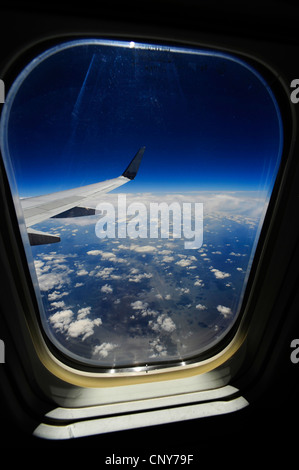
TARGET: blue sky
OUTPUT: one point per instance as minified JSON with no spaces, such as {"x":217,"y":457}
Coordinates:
{"x":207,"y":122}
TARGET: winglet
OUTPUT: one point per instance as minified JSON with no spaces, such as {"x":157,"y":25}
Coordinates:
{"x":132,"y":169}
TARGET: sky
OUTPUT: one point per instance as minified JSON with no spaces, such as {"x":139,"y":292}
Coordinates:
{"x":208,"y":122}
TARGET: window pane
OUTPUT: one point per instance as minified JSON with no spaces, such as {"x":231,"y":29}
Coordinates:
{"x":158,"y":273}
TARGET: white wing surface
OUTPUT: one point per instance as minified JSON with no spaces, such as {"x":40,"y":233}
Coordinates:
{"x":70,"y":203}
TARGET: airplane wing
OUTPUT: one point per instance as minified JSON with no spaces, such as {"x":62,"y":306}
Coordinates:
{"x":70,"y":203}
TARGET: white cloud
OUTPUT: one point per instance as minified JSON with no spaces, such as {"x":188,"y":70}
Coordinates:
{"x":163,"y":323}
{"x":167,"y":259}
{"x":51,"y":272}
{"x":183,"y":290}
{"x":139,"y":277}
{"x":105,"y":273}
{"x":225,"y":311}
{"x":64,"y":322}
{"x":82,"y":272}
{"x":38,"y":264}
{"x":108,"y":255}
{"x":56,"y":295}
{"x":59,"y":304}
{"x":122,"y":247}
{"x":49,"y":281}
{"x":104,"y":349}
{"x":83,"y":312}
{"x":134,"y":271}
{"x":149,"y":312}
{"x":201,"y":307}
{"x":158,"y":349}
{"x":106,"y":289}
{"x":234,"y":204}
{"x":83,"y":327}
{"x":61,"y":320}
{"x":184,"y":262}
{"x":139,"y":305}
{"x":219,"y":274}
{"x":142,"y":308}
{"x":94,"y":252}
{"x":143,"y":248}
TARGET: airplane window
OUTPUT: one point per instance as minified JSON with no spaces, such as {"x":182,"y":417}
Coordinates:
{"x":144,"y":173}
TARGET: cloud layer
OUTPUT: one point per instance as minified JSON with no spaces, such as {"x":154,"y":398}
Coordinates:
{"x":136,"y":300}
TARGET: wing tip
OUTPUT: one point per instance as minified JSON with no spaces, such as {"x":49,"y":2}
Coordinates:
{"x":131,"y":171}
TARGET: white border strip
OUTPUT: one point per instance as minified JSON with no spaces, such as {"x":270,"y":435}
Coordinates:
{"x":138,"y":420}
